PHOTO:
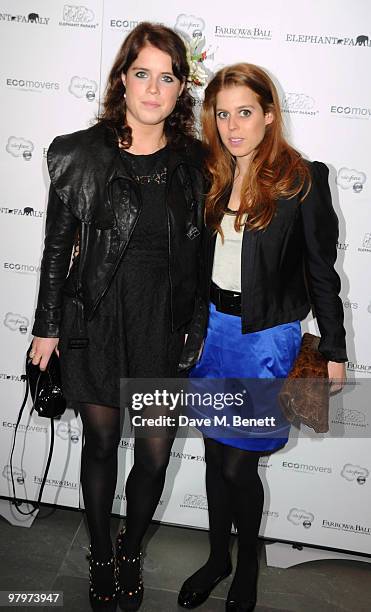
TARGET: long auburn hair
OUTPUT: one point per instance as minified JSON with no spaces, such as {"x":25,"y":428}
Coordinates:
{"x":276,"y":169}
{"x":179,"y":126}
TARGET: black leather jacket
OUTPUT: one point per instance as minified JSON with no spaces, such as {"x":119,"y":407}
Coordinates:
{"x":93,"y":196}
{"x":289,"y":267}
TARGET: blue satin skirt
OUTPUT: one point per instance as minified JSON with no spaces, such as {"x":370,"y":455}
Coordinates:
{"x":251,"y":361}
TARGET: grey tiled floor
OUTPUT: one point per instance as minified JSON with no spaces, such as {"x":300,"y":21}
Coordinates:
{"x":52,"y":555}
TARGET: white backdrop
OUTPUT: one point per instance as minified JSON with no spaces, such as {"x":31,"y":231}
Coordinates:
{"x":55,"y":62}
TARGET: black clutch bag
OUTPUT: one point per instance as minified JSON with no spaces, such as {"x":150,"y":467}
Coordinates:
{"x":45,"y":387}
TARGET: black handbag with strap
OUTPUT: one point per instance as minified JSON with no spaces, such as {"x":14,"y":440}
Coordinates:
{"x":48,"y":401}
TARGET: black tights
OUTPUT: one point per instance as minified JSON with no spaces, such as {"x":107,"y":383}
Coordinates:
{"x":99,"y":474}
{"x":234,"y":493}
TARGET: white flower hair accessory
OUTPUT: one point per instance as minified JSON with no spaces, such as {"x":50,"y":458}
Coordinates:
{"x":199,"y":74}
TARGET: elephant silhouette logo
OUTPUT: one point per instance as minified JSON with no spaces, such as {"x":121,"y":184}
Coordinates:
{"x":362,"y":40}
{"x":28,"y":210}
{"x":33,"y":18}
{"x":367,"y":241}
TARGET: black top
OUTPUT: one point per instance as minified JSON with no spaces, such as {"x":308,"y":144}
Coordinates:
{"x":150,"y":236}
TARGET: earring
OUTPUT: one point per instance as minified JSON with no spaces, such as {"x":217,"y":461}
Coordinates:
{"x":124,"y":95}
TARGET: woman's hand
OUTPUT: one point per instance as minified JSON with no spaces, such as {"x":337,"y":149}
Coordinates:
{"x":41,"y":350}
{"x":337,"y":375}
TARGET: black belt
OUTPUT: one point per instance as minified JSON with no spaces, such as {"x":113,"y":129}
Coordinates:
{"x":226,"y":301}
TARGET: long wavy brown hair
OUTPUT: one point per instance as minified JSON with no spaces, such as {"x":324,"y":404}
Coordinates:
{"x":179,"y":126}
{"x":276,"y":170}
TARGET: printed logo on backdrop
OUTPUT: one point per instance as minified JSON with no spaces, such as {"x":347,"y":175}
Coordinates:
{"x":54,"y":482}
{"x":198,"y":502}
{"x":366,"y":243}
{"x":342,"y":246}
{"x":190,"y":25}
{"x":65,"y":431}
{"x":187,"y":456}
{"x":298,"y":516}
{"x":16,"y":322}
{"x":364,"y":368}
{"x":25,"y":428}
{"x":33,"y":85}
{"x":349,"y":178}
{"x":17,"y":146}
{"x":246,"y":32}
{"x":355,"y":473}
{"x":19,"y":474}
{"x":27,"y":211}
{"x":264,"y":462}
{"x":78,"y":16}
{"x":126,"y":25}
{"x":5,"y":376}
{"x":126,"y":444}
{"x":350,"y":417}
{"x":351,"y":112}
{"x":81,"y":87}
{"x":295,"y":103}
{"x":121,"y":497}
{"x":346,"y":527}
{"x":306,"y":468}
{"x":20,"y":268}
{"x":271,"y":514}
{"x":33,"y":18}
{"x":350,"y":305}
{"x":357,"y":40}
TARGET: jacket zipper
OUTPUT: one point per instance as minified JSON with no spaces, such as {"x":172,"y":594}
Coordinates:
{"x":168,"y":240}
{"x":120,"y":256}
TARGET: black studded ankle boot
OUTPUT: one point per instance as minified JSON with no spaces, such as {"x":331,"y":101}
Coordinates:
{"x":103,"y":591}
{"x":129,"y":574}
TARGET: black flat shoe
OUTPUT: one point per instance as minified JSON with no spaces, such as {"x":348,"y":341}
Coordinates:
{"x":240,"y":606}
{"x":243,"y":605}
{"x":191,"y":598}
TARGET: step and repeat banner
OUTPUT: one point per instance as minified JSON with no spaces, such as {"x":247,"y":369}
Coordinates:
{"x":56,"y":57}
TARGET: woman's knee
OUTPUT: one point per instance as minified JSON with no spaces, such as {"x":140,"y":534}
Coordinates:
{"x":152,"y":458}
{"x":242,"y":472}
{"x":101,"y":446}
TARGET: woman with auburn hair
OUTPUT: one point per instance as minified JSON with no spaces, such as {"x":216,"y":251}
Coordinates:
{"x":270,"y":253}
{"x":130,"y":191}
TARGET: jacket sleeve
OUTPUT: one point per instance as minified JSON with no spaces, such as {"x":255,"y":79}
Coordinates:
{"x":321,"y":232}
{"x":60,"y":232}
{"x":197,"y":326}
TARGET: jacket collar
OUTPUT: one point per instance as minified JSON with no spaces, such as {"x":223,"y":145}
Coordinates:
{"x":109,"y":154}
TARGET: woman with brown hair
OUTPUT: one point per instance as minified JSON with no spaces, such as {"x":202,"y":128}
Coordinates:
{"x":130,"y":191}
{"x":271,"y":237}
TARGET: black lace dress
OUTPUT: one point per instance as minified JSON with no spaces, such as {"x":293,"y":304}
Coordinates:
{"x":130,"y":334}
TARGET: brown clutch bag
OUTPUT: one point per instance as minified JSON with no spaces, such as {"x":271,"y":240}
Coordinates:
{"x":305,"y":393}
